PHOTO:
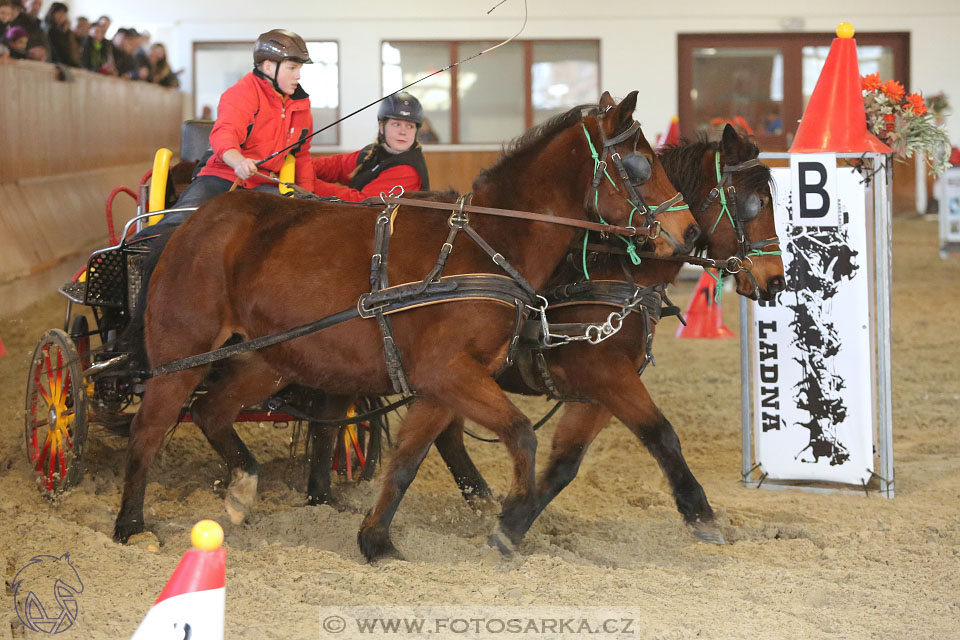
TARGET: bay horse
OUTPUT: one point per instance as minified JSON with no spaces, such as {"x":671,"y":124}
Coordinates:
{"x":605,"y":376}
{"x":251,"y":265}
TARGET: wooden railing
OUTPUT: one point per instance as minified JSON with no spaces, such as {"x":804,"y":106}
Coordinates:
{"x":65,"y":144}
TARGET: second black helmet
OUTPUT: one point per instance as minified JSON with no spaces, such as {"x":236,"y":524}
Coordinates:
{"x":401,"y":106}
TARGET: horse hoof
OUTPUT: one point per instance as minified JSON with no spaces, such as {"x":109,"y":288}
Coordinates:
{"x":375,"y":544}
{"x":501,"y":543}
{"x":241,"y":496}
{"x":708,"y":532}
{"x":123,"y":532}
{"x":315,"y":501}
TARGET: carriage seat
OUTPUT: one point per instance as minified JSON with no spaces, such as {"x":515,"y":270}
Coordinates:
{"x":194,"y":139}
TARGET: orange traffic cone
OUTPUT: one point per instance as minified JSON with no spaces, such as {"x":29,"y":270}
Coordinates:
{"x":834,"y":119}
{"x":704,"y":317}
{"x":671,"y":136}
{"x":192,"y":603}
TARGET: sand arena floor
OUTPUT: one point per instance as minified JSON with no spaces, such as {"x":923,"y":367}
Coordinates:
{"x":797,"y":565}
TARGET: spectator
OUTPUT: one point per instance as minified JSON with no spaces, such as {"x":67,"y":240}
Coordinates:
{"x":33,"y":8}
{"x":97,"y":53}
{"x":122,"y":57}
{"x":81,"y":31}
{"x":38,"y":52}
{"x":141,"y":59}
{"x":7,"y":13}
{"x":160,"y":72}
{"x":57,"y":27}
{"x":31,"y":24}
{"x":4,"y":53}
{"x":17,"y":39}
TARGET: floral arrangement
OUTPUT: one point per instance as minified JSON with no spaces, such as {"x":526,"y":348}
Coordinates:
{"x":906,"y":123}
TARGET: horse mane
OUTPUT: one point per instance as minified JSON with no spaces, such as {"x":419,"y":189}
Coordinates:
{"x":682,"y":163}
{"x":534,"y":138}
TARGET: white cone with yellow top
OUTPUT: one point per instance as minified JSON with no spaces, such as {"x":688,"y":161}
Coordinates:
{"x":192,"y":604}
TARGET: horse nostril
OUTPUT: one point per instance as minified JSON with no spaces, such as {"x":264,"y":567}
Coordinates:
{"x":691,"y":234}
{"x":776,"y":284}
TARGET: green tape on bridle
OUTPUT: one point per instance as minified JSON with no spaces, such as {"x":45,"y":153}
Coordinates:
{"x":630,"y":242}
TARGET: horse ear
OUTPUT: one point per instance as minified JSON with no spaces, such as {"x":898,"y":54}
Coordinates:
{"x":627,"y":106}
{"x":730,"y":143}
{"x":606,"y":101}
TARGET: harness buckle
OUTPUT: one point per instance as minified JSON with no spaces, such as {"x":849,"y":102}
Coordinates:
{"x":654,"y":230}
{"x":733,"y":265}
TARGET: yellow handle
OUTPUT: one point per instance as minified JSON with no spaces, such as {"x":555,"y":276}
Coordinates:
{"x":288,"y":174}
{"x":158,"y":183}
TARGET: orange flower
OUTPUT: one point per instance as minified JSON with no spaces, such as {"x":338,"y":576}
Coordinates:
{"x":916,"y":104}
{"x":870,"y":82}
{"x":893,"y":90}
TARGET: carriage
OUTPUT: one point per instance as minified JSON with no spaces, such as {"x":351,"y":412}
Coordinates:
{"x":80,"y":376}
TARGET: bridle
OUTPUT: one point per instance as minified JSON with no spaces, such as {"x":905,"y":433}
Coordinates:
{"x":739,"y":213}
{"x":634,"y":170}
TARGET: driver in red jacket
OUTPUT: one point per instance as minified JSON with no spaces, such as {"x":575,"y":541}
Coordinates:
{"x":264,"y":112}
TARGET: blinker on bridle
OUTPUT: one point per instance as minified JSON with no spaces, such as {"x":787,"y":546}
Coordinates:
{"x":746,"y":210}
{"x":634,"y":170}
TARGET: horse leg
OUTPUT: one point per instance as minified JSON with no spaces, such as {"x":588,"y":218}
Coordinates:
{"x":580,"y":424}
{"x":451,"y":448}
{"x":163,"y":399}
{"x":322,"y":440}
{"x":631,"y":403}
{"x":420,"y":426}
{"x":241,"y":383}
{"x":468,"y":389}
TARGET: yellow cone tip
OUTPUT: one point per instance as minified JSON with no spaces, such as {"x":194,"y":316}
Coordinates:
{"x":845,"y":30}
{"x":206,"y":535}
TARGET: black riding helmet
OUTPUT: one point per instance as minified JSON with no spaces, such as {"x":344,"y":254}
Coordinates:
{"x":279,"y":45}
{"x":401,"y":106}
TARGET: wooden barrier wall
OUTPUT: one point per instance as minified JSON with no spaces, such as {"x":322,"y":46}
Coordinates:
{"x":456,"y":169}
{"x":64,"y":145}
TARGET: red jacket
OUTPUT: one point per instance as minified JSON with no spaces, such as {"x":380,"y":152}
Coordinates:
{"x":336,"y":169}
{"x":255,"y":120}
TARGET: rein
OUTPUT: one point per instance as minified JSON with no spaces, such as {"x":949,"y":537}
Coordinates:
{"x":651,"y":232}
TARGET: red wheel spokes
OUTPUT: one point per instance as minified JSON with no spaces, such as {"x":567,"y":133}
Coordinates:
{"x":43,"y":454}
{"x":34,"y":446}
{"x":53,"y":460}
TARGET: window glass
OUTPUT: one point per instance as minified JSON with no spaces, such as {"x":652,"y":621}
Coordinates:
{"x":322,"y":81}
{"x":562,"y":76}
{"x":491,"y":93}
{"x":739,"y":85}
{"x":406,"y":62}
{"x":220,"y":65}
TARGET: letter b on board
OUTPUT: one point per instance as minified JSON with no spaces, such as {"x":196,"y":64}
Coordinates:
{"x":814,"y":182}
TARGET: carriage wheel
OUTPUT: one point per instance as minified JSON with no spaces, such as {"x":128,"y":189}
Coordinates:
{"x":358,"y":446}
{"x":55,"y":420}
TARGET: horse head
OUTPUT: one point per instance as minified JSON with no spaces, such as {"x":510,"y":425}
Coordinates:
{"x":629,"y":184}
{"x":729,"y":191}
